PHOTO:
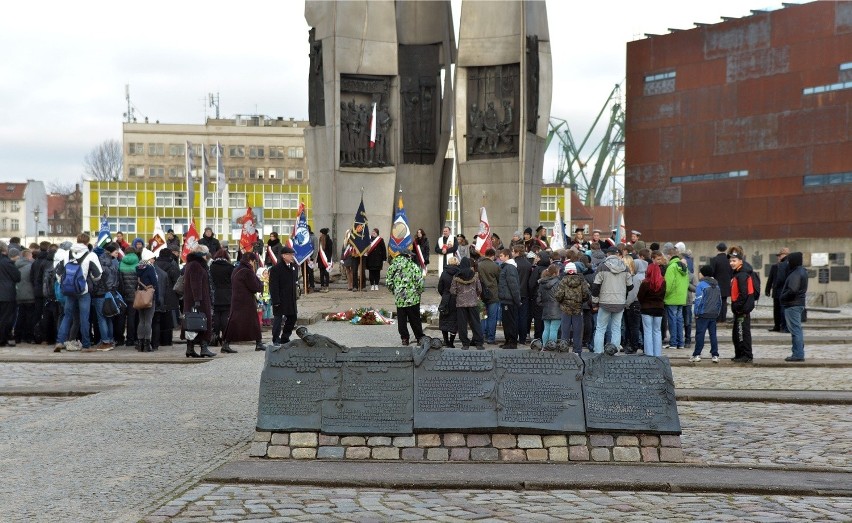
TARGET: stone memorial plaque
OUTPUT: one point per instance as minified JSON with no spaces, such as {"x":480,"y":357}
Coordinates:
{"x":455,"y":389}
{"x":540,"y":391}
{"x":375,"y":354}
{"x":293,"y":385}
{"x":374,"y":397}
{"x":630,"y":393}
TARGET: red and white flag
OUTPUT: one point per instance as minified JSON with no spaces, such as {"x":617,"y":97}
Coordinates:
{"x":158,"y":240}
{"x":483,"y":238}
{"x":190,"y":240}
{"x":326,"y":262}
{"x":373,"y":127}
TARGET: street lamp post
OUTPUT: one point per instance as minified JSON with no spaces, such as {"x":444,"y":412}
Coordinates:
{"x":36,"y":214}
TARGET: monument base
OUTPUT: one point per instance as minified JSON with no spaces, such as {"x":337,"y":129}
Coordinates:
{"x":455,"y":446}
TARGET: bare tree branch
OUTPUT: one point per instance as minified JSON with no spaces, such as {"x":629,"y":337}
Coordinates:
{"x":104,"y":162}
{"x":60,"y":187}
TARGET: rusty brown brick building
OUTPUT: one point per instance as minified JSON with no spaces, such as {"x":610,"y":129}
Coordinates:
{"x":742,"y":130}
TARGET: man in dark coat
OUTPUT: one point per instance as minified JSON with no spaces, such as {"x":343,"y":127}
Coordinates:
{"x":9,"y":277}
{"x":171,"y":302}
{"x":210,"y":241}
{"x":196,"y":294}
{"x":774,"y":285}
{"x":723,"y":274}
{"x":282,"y":292}
{"x":243,"y":323}
{"x":524,"y":270}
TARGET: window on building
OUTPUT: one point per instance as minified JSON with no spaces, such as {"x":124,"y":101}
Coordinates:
{"x":276,"y":152}
{"x":236,"y":200}
{"x":176,"y":172}
{"x":125,"y":225}
{"x":15,"y":224}
{"x":295,"y":152}
{"x":256,"y":173}
{"x":135,"y":148}
{"x":237,"y":151}
{"x":16,"y":206}
{"x":295,"y":174}
{"x":548,"y":203}
{"x":135,"y":170}
{"x":156,"y":171}
{"x":706,"y":177}
{"x":118,"y":198}
{"x":815,"y":180}
{"x":179,"y":226}
{"x":273,"y":173}
{"x":3,"y":205}
{"x":827,"y":88}
{"x":156,"y":149}
{"x":236,"y":172}
{"x":281,"y":201}
{"x":4,"y":224}
{"x":177,"y":149}
{"x":660,"y":76}
{"x":255,"y":151}
{"x":170,"y":199}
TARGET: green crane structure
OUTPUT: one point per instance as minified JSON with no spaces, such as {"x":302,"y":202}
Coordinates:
{"x":590,"y":172}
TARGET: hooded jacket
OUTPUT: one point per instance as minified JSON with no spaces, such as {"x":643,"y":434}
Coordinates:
{"x":41,"y":263}
{"x":546,"y":299}
{"x":796,"y":285}
{"x":742,"y":301}
{"x":707,"y":302}
{"x":24,"y":288}
{"x":127,"y":276}
{"x":572,"y":294}
{"x":641,"y":267}
{"x":677,"y":282}
{"x":508,"y":285}
{"x":89,"y":264}
{"x":612,"y":283}
{"x":466,"y":286}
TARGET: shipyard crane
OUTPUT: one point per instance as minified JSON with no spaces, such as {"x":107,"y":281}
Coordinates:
{"x":590,"y":171}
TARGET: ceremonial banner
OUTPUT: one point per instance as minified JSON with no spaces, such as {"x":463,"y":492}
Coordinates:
{"x":483,"y":238}
{"x":248,"y":231}
{"x":104,"y":236}
{"x":300,"y":238}
{"x":190,"y":241}
{"x":359,"y":237}
{"x":400,"y":237}
{"x":557,"y":239}
{"x":158,"y":240}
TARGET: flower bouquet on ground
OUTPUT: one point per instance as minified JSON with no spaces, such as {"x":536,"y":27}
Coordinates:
{"x":341,"y":316}
{"x":428,"y":312}
{"x":369,"y":316}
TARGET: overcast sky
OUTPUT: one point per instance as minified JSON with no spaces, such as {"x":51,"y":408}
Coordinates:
{"x":65,"y":65}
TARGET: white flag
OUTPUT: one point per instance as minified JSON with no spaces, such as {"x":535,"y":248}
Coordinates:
{"x":557,"y":238}
{"x":158,"y":240}
{"x":483,"y":237}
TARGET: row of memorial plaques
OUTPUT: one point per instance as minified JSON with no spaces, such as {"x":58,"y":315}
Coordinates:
{"x":381,"y":391}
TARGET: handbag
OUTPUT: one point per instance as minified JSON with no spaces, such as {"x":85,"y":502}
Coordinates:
{"x":144,"y":298}
{"x":110,"y":308}
{"x":178,"y":287}
{"x":195,"y":321}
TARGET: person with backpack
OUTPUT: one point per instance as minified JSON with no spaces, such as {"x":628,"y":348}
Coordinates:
{"x":708,"y":302}
{"x":107,"y":283}
{"x":74,"y":276}
{"x":742,"y":303}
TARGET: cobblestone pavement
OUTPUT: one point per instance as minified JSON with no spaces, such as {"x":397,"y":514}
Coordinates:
{"x":208,"y":502}
{"x":767,"y":434}
{"x":13,"y":405}
{"x":44,"y":375}
{"x":710,"y":376}
{"x":772,"y":352}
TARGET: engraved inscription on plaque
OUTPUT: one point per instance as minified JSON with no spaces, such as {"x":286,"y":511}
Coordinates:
{"x":293,"y":385}
{"x":455,"y":389}
{"x":630,"y":393}
{"x":373,"y":398}
{"x":540,"y":391}
{"x":376,"y":354}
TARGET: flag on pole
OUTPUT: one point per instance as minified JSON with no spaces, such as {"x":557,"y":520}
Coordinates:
{"x":300,"y":239}
{"x":400,"y":237}
{"x":557,"y":238}
{"x":483,"y":238}
{"x":620,"y":232}
{"x":190,"y":165}
{"x":104,"y":236}
{"x":220,"y":169}
{"x":359,"y":237}
{"x":205,"y":175}
{"x":158,"y":240}
{"x":248,"y":234}
{"x":373,"y":127}
{"x":190,"y":240}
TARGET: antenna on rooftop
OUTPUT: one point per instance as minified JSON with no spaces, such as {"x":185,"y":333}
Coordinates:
{"x":214,"y":102}
{"x":129,"y":116}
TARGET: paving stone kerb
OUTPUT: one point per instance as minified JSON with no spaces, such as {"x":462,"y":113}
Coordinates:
{"x":456,"y":446}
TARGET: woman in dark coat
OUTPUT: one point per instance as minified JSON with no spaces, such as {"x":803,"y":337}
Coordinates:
{"x":448,"y":317}
{"x":243,"y":324}
{"x":376,"y":259}
{"x":326,"y":245}
{"x":422,"y":241}
{"x":196,"y":293}
{"x":220,"y":273}
{"x":283,"y":278}
{"x":273,"y":244}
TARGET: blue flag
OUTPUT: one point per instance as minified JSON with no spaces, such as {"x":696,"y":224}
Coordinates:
{"x":300,"y":240}
{"x":104,"y":236}
{"x":400,"y":237}
{"x":359,"y":234}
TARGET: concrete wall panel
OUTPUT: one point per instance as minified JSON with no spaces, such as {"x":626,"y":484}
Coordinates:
{"x":794,"y":25}
{"x":419,"y":22}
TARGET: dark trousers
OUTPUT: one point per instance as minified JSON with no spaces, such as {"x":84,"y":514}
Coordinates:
{"x":406,"y":316}
{"x":130,"y":324}
{"x":39,"y":309}
{"x":523,"y":319}
{"x":687,"y":323}
{"x":289,"y":322}
{"x":50,"y":318}
{"x":375,"y":275}
{"x":741,"y":334}
{"x":7,"y":320}
{"x":778,"y":321}
{"x":537,"y":311}
{"x":167,"y":327}
{"x":572,"y":329}
{"x":469,"y":316}
{"x":588,"y":327}
{"x":25,"y":322}
{"x":510,"y":322}
{"x":220,"y":320}
{"x":633,"y":326}
{"x":324,"y":278}
{"x":723,"y":311}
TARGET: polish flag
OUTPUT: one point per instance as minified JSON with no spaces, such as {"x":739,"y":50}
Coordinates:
{"x":483,"y":238}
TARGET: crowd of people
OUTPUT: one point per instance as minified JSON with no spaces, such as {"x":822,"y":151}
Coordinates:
{"x":76,"y":296}
{"x":595,"y":292}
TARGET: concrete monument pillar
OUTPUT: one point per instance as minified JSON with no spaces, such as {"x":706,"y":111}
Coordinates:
{"x":503,"y":92}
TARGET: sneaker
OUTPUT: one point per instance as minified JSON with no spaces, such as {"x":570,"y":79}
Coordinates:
{"x":695,"y":359}
{"x":59,"y":347}
{"x":672,"y":347}
{"x":11,"y":343}
{"x":791,"y":358}
{"x":105,"y":346}
{"x":715,"y":359}
{"x":73,"y":346}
